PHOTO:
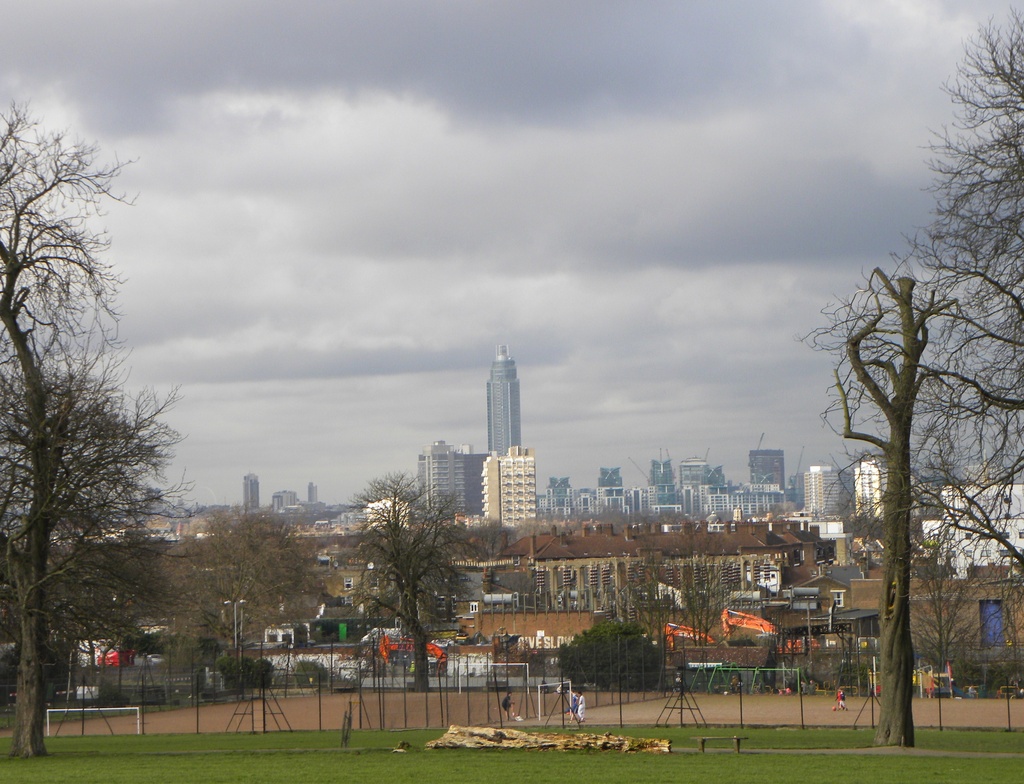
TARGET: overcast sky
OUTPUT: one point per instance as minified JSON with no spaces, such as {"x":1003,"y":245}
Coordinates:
{"x":342,"y":208}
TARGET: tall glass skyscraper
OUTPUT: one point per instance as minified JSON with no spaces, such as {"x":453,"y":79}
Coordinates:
{"x":503,"y":429}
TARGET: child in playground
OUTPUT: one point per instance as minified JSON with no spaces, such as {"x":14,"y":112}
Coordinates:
{"x":840,"y":700}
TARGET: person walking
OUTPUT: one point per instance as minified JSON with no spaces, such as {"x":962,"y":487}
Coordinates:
{"x":571,"y":713}
{"x":581,"y":707}
{"x":509,"y":706}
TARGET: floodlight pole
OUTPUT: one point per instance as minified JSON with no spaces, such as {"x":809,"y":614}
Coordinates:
{"x":236,"y":607}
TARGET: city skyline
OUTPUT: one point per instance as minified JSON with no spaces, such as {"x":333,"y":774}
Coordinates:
{"x":452,"y":468}
{"x":335,"y":212}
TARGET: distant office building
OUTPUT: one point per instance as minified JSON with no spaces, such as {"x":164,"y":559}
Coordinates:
{"x":250,"y":491}
{"x":702,"y":487}
{"x":610,"y":494}
{"x":663,"y":480}
{"x":754,"y":500}
{"x":585,"y":501}
{"x":503,"y":417}
{"x":311,"y":494}
{"x":795,"y":490}
{"x":823,"y":491}
{"x":510,"y":486}
{"x":693,"y":472}
{"x":868,"y":483}
{"x":558,"y":498}
{"x":447,"y":469}
{"x":768,"y":467}
{"x":639,"y":500}
{"x":283,"y":499}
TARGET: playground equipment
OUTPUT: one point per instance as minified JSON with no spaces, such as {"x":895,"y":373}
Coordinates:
{"x":734,"y":619}
{"x":674,"y":630}
{"x":681,"y":701}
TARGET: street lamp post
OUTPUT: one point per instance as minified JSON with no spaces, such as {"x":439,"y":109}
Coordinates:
{"x":810,"y":655}
{"x":236,"y":608}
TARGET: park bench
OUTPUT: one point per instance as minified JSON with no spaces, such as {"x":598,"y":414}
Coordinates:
{"x":705,"y":738}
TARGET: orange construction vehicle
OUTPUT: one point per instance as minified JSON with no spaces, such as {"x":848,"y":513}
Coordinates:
{"x":734,"y":619}
{"x":796,"y":645}
{"x":674,"y":630}
{"x":387,"y":645}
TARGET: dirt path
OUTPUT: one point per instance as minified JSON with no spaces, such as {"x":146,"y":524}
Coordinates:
{"x":398,"y":710}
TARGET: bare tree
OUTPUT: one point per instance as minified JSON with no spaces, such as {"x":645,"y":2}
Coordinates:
{"x":880,"y":338}
{"x":975,"y":427}
{"x":242,"y":556}
{"x":648,"y":599}
{"x":410,"y":549}
{"x":704,"y":583}
{"x":78,"y":456}
{"x":945,"y":602}
{"x":486,"y":541}
{"x":699,"y":575}
{"x":962,"y":404}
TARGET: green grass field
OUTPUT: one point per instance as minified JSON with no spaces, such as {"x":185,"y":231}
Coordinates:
{"x":803,"y":755}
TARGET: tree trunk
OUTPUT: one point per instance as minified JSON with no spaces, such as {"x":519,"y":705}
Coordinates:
{"x":896,"y":718}
{"x":27,"y":739}
{"x":421,"y":671}
{"x":28,"y":550}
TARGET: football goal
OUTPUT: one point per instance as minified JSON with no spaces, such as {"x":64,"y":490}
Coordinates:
{"x":80,"y":714}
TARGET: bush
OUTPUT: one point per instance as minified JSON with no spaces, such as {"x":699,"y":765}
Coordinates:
{"x":310,"y":673}
{"x":245,"y":673}
{"x":612,"y":655}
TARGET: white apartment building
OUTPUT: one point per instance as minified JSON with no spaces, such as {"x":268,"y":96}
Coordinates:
{"x":822,"y":490}
{"x":868,"y":483}
{"x":510,"y":486}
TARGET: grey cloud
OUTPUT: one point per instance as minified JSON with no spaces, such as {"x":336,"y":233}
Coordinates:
{"x":529,"y":61}
{"x":345,"y":205}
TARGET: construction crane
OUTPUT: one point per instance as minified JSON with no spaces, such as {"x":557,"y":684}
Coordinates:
{"x":646,"y":477}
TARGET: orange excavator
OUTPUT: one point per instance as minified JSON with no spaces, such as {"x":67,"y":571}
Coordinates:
{"x":405,"y":644}
{"x":674,"y":630}
{"x":734,"y":619}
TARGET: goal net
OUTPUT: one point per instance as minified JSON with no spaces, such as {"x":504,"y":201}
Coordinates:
{"x":62,"y":715}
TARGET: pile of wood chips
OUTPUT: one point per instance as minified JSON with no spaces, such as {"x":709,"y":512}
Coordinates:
{"x":492,"y":738}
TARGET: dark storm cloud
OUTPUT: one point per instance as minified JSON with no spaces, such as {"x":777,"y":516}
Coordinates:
{"x":534,"y":62}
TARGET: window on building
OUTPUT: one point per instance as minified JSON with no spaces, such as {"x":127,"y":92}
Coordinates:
{"x":474,"y":607}
{"x":838,"y":598}
{"x":349,"y":583}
